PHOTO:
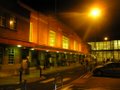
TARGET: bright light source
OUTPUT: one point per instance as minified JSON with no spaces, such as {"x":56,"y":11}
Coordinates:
{"x":57,"y":51}
{"x":32,"y":49}
{"x":95,"y":12}
{"x":11,"y":22}
{"x":19,"y":46}
{"x":106,"y":38}
{"x":47,"y":50}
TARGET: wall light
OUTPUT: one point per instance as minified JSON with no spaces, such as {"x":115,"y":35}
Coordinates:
{"x":19,"y":45}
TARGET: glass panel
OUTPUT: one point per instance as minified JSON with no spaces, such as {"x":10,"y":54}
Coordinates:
{"x":115,"y":44}
{"x":118,"y":44}
{"x":116,"y":55}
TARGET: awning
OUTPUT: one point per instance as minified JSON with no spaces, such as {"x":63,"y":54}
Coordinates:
{"x":16,"y":42}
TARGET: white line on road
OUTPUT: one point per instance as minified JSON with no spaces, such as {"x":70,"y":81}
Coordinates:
{"x":52,"y":79}
{"x":48,"y":80}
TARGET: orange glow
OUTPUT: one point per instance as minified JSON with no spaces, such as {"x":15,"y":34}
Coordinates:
{"x":11,"y":22}
{"x":19,"y":45}
{"x":95,"y":12}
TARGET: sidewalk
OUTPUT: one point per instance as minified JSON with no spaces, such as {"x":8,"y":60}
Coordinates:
{"x":6,"y":79}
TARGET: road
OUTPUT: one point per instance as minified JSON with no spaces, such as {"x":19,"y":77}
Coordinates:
{"x":49,"y":82}
{"x":89,"y":82}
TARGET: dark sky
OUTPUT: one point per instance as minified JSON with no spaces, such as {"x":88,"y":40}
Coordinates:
{"x":71,"y":12}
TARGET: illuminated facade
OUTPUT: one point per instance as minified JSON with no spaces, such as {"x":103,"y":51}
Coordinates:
{"x":106,"y":50}
{"x":35,"y":35}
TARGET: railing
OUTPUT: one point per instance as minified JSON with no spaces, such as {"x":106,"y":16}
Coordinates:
{"x":58,"y":81}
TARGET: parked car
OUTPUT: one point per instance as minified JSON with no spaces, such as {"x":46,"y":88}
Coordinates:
{"x":108,"y":69}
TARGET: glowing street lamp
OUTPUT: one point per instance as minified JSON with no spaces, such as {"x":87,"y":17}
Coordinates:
{"x":95,"y":12}
{"x":105,"y":38}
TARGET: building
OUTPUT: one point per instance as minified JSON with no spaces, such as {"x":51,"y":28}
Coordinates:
{"x":106,"y":50}
{"x":43,"y":38}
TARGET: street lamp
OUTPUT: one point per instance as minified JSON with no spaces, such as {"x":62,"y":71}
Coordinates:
{"x":105,"y":38}
{"x":95,"y":12}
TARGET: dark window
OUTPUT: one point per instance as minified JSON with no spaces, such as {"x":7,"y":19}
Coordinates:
{"x":2,"y":20}
{"x":1,"y":55}
{"x":11,"y":56}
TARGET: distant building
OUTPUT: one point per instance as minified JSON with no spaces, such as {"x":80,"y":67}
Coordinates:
{"x":106,"y":50}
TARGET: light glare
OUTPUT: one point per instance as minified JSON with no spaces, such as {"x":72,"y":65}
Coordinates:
{"x":95,"y":12}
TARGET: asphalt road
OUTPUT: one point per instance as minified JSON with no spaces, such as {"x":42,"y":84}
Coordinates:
{"x":49,"y":82}
{"x":89,"y":82}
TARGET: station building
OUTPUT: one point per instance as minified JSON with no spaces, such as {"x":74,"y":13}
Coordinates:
{"x":106,"y":50}
{"x":25,"y":32}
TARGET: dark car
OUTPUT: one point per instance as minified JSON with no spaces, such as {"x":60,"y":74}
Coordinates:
{"x":109,"y":69}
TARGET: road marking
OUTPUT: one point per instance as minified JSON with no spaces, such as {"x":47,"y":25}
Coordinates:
{"x":66,"y":79}
{"x":87,"y":75}
{"x":52,"y":79}
{"x":67,"y":88}
{"x":48,"y":80}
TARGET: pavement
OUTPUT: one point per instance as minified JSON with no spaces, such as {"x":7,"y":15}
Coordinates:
{"x":34,"y":76}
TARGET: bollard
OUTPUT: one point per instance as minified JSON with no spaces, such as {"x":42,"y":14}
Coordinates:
{"x":20,"y":75}
{"x":40,"y":71}
{"x":55,"y":86}
{"x":25,"y":85}
{"x":58,"y":81}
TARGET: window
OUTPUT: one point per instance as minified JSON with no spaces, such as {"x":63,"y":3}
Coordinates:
{"x":7,"y":20}
{"x":52,"y":38}
{"x":11,"y":22}
{"x":11,"y":56}
{"x":115,"y":44}
{"x":2,"y":20}
{"x":65,"y":42}
{"x":118,"y":44}
{"x":31,"y":32}
{"x":75,"y":45}
{"x":1,"y":55}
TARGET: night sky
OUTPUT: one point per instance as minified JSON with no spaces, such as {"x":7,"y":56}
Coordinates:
{"x":67,"y":11}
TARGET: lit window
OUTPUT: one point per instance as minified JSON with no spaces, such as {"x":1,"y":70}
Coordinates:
{"x":115,"y":44}
{"x":12,"y":23}
{"x":65,"y":42}
{"x":118,"y":44}
{"x":52,"y":38}
{"x":31,"y":32}
{"x":75,"y":45}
